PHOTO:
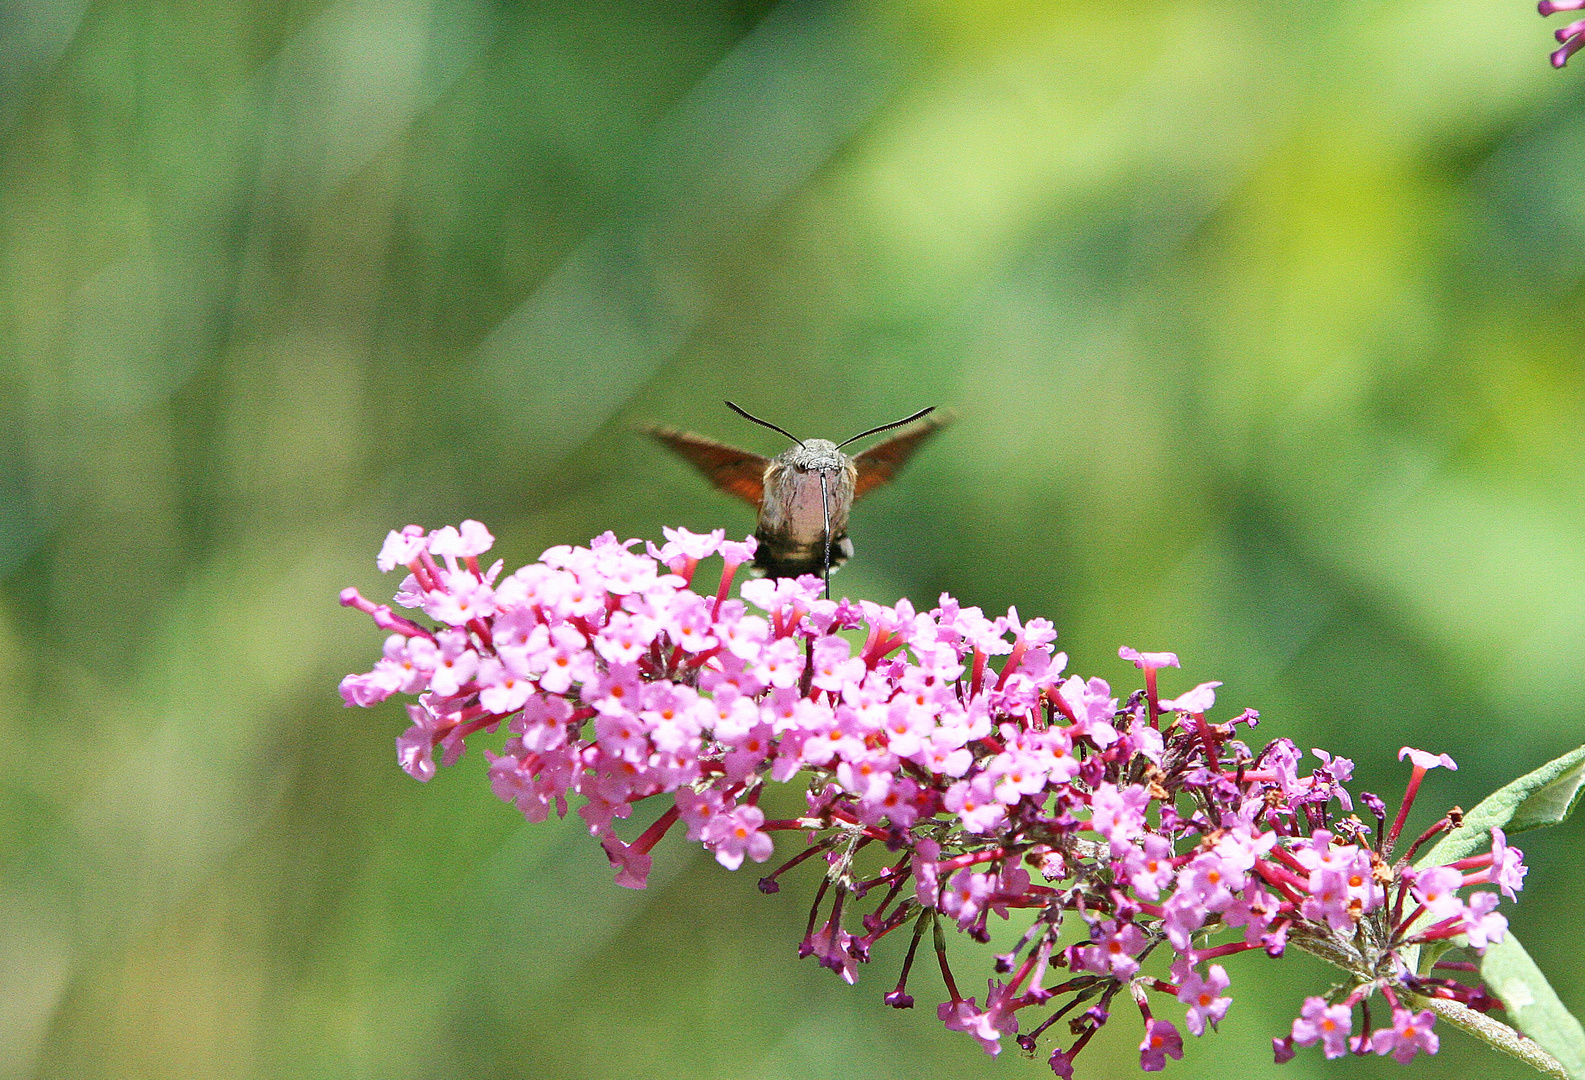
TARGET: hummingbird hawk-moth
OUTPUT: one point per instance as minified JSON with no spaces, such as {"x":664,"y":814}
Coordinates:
{"x":804,"y":494}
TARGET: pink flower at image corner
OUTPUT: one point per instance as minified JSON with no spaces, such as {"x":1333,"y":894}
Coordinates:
{"x":936,"y":781}
{"x":1572,"y":36}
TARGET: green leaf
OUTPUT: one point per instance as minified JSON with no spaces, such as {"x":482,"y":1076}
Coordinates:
{"x":1544,"y":797}
{"x":1532,"y":1005}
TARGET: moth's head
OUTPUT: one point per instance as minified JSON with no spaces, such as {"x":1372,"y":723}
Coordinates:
{"x":822,"y":455}
{"x":815,"y":455}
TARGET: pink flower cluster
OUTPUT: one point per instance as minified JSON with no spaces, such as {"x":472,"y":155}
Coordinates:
{"x":988,"y":788}
{"x":1572,"y":36}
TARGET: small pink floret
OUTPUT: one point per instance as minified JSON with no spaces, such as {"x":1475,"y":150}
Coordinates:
{"x":1198,"y":700}
{"x":1161,"y":1042}
{"x":1151,"y":661}
{"x":1409,"y":1034}
{"x":1327,"y":1024}
{"x":1425,"y":760}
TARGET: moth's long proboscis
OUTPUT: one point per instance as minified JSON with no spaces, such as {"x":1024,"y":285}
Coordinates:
{"x":825,"y":511}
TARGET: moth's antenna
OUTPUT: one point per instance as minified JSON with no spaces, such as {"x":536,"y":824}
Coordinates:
{"x":872,"y":431}
{"x":766,"y":423}
{"x":825,"y":510}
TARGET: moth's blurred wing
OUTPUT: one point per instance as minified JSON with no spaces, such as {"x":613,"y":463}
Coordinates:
{"x":736,"y":472}
{"x":881,"y":462}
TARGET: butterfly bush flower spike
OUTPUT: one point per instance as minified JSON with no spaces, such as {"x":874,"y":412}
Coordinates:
{"x":954,"y":777}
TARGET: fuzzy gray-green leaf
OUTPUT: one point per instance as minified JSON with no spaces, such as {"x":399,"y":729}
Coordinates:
{"x":1532,"y":1005}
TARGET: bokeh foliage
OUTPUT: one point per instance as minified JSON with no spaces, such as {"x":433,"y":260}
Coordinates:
{"x":1264,"y":322}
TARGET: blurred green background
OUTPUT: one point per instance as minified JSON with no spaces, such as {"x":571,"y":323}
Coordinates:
{"x":1264,"y":322}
